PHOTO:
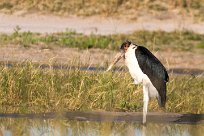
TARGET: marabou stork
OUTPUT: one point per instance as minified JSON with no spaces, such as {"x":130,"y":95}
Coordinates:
{"x":145,"y":68}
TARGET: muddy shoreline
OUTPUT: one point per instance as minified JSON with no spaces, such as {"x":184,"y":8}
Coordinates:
{"x":175,"y":60}
{"x":172,"y":71}
{"x":104,"y":116}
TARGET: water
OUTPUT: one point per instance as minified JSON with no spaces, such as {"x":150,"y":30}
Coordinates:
{"x":56,"y":127}
{"x":51,"y":125}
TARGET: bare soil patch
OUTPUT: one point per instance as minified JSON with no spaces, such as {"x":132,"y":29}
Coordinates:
{"x":92,"y":57}
{"x":97,"y":24}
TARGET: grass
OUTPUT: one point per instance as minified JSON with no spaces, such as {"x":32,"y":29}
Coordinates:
{"x":200,"y":45}
{"x":155,"y":40}
{"x":27,"y":89}
{"x":107,"y":7}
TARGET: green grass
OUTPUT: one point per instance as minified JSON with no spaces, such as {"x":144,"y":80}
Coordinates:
{"x":200,"y":45}
{"x":27,"y":89}
{"x":156,"y":40}
{"x":6,"y":5}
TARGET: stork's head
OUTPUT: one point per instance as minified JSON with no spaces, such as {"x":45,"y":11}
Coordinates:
{"x":125,"y":45}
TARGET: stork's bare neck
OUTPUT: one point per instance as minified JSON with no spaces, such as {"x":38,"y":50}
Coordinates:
{"x":126,"y":45}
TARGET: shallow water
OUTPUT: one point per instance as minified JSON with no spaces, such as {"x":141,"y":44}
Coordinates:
{"x":59,"y":127}
{"x":101,"y":124}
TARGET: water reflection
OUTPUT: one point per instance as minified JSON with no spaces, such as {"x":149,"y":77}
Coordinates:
{"x":59,"y":127}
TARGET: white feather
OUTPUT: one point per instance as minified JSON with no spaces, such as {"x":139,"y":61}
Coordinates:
{"x":133,"y":66}
{"x":136,"y":72}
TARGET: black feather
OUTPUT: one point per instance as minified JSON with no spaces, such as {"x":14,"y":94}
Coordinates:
{"x":156,"y":72}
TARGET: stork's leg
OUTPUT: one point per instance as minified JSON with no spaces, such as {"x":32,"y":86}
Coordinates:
{"x":146,"y":100}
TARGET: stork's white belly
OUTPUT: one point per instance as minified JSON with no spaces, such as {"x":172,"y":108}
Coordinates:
{"x":136,"y":72}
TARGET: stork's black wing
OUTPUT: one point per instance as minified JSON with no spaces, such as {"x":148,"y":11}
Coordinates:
{"x":156,"y":72}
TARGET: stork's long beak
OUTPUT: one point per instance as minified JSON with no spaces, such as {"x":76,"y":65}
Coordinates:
{"x":117,"y":57}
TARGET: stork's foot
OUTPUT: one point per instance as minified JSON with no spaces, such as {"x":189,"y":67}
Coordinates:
{"x":144,"y":123}
{"x":144,"y":120}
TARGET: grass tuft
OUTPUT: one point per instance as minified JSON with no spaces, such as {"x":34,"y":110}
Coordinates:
{"x":200,"y":45}
{"x":107,"y":8}
{"x":6,"y":5}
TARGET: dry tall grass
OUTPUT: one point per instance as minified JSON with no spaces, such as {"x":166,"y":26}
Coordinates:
{"x":104,"y":7}
{"x":25,"y":89}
